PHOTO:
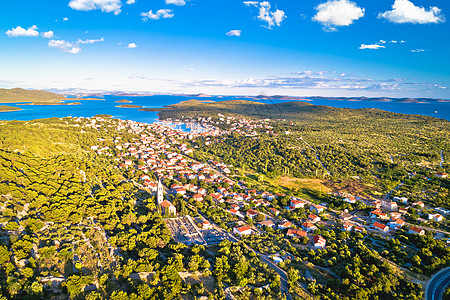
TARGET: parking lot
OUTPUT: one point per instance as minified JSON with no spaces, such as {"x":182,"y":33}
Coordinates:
{"x":213,"y":236}
{"x":185,"y":231}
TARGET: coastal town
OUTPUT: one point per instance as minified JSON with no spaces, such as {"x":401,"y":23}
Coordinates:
{"x":168,"y":172}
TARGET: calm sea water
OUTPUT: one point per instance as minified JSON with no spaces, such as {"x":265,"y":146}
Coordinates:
{"x":89,"y":108}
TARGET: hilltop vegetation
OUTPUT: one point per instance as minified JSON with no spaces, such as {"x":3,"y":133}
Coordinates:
{"x":21,"y":95}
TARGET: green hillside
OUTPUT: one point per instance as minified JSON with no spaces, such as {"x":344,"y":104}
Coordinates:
{"x":21,"y":95}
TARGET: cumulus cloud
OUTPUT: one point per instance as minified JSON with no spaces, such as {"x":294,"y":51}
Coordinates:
{"x":48,"y":35}
{"x":234,"y":33}
{"x":404,"y":11}
{"x":129,"y":2}
{"x":104,"y":5}
{"x":90,"y":41}
{"x":418,"y":50}
{"x":334,"y":13}
{"x":132,"y":46}
{"x":266,"y":15}
{"x":371,"y":46}
{"x":162,"y":13}
{"x":71,"y":47}
{"x":64,"y":46}
{"x":22,"y":32}
{"x":65,"y":19}
{"x":176,"y":2}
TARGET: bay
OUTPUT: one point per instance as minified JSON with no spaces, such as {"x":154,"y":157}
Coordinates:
{"x":90,"y":108}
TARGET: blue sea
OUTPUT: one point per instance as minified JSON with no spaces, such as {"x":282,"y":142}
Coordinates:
{"x":89,"y":108}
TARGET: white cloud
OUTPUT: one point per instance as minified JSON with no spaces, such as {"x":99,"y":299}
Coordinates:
{"x":371,"y":46}
{"x":90,"y":41}
{"x":22,"y":32}
{"x":48,"y":35}
{"x":234,"y":33}
{"x":129,"y":2}
{"x":271,"y":17}
{"x":132,"y":46}
{"x":65,"y":19}
{"x":248,"y":3}
{"x":176,"y":2}
{"x":64,"y":46}
{"x":190,"y":69}
{"x":418,"y":50}
{"x":104,"y":5}
{"x":404,"y":11}
{"x":335,"y":13}
{"x":71,"y":47}
{"x":162,"y":13}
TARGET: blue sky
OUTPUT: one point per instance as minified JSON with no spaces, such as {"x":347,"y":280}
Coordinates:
{"x":394,"y":48}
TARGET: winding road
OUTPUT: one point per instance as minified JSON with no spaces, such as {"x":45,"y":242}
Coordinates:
{"x":436,"y":287}
{"x":442,"y":158}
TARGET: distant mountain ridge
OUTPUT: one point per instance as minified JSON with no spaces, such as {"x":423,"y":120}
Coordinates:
{"x":22,"y":95}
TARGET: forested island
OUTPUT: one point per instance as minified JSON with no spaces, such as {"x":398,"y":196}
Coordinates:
{"x":51,"y":103}
{"x":5,"y":108}
{"x":129,"y":106}
{"x":257,"y":201}
{"x":37,"y":97}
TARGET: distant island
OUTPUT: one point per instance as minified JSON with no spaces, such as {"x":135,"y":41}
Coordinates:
{"x":129,"y":106}
{"x":22,"y":95}
{"x":4,"y":108}
{"x":375,"y":99}
{"x":83,"y":99}
{"x":51,"y":103}
{"x":37,"y":97}
{"x":124,"y":101}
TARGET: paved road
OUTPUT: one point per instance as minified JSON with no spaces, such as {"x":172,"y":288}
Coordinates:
{"x":283,"y":276}
{"x":436,"y":287}
{"x":388,"y":195}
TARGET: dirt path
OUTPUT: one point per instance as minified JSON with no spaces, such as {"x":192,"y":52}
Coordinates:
{"x":317,"y":157}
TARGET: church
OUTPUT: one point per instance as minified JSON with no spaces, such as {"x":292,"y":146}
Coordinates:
{"x":167,"y":208}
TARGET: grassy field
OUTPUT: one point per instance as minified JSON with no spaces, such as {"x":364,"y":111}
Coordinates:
{"x":297,"y":183}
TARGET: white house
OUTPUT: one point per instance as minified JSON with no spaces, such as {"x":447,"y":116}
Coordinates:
{"x":242,"y":230}
{"x":308,"y":227}
{"x":284,"y":225}
{"x":416,"y":230}
{"x":435,"y":217}
{"x":380,"y":227}
{"x":317,"y":208}
{"x":319,"y":242}
{"x":297,"y":203}
{"x":396,"y":224}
